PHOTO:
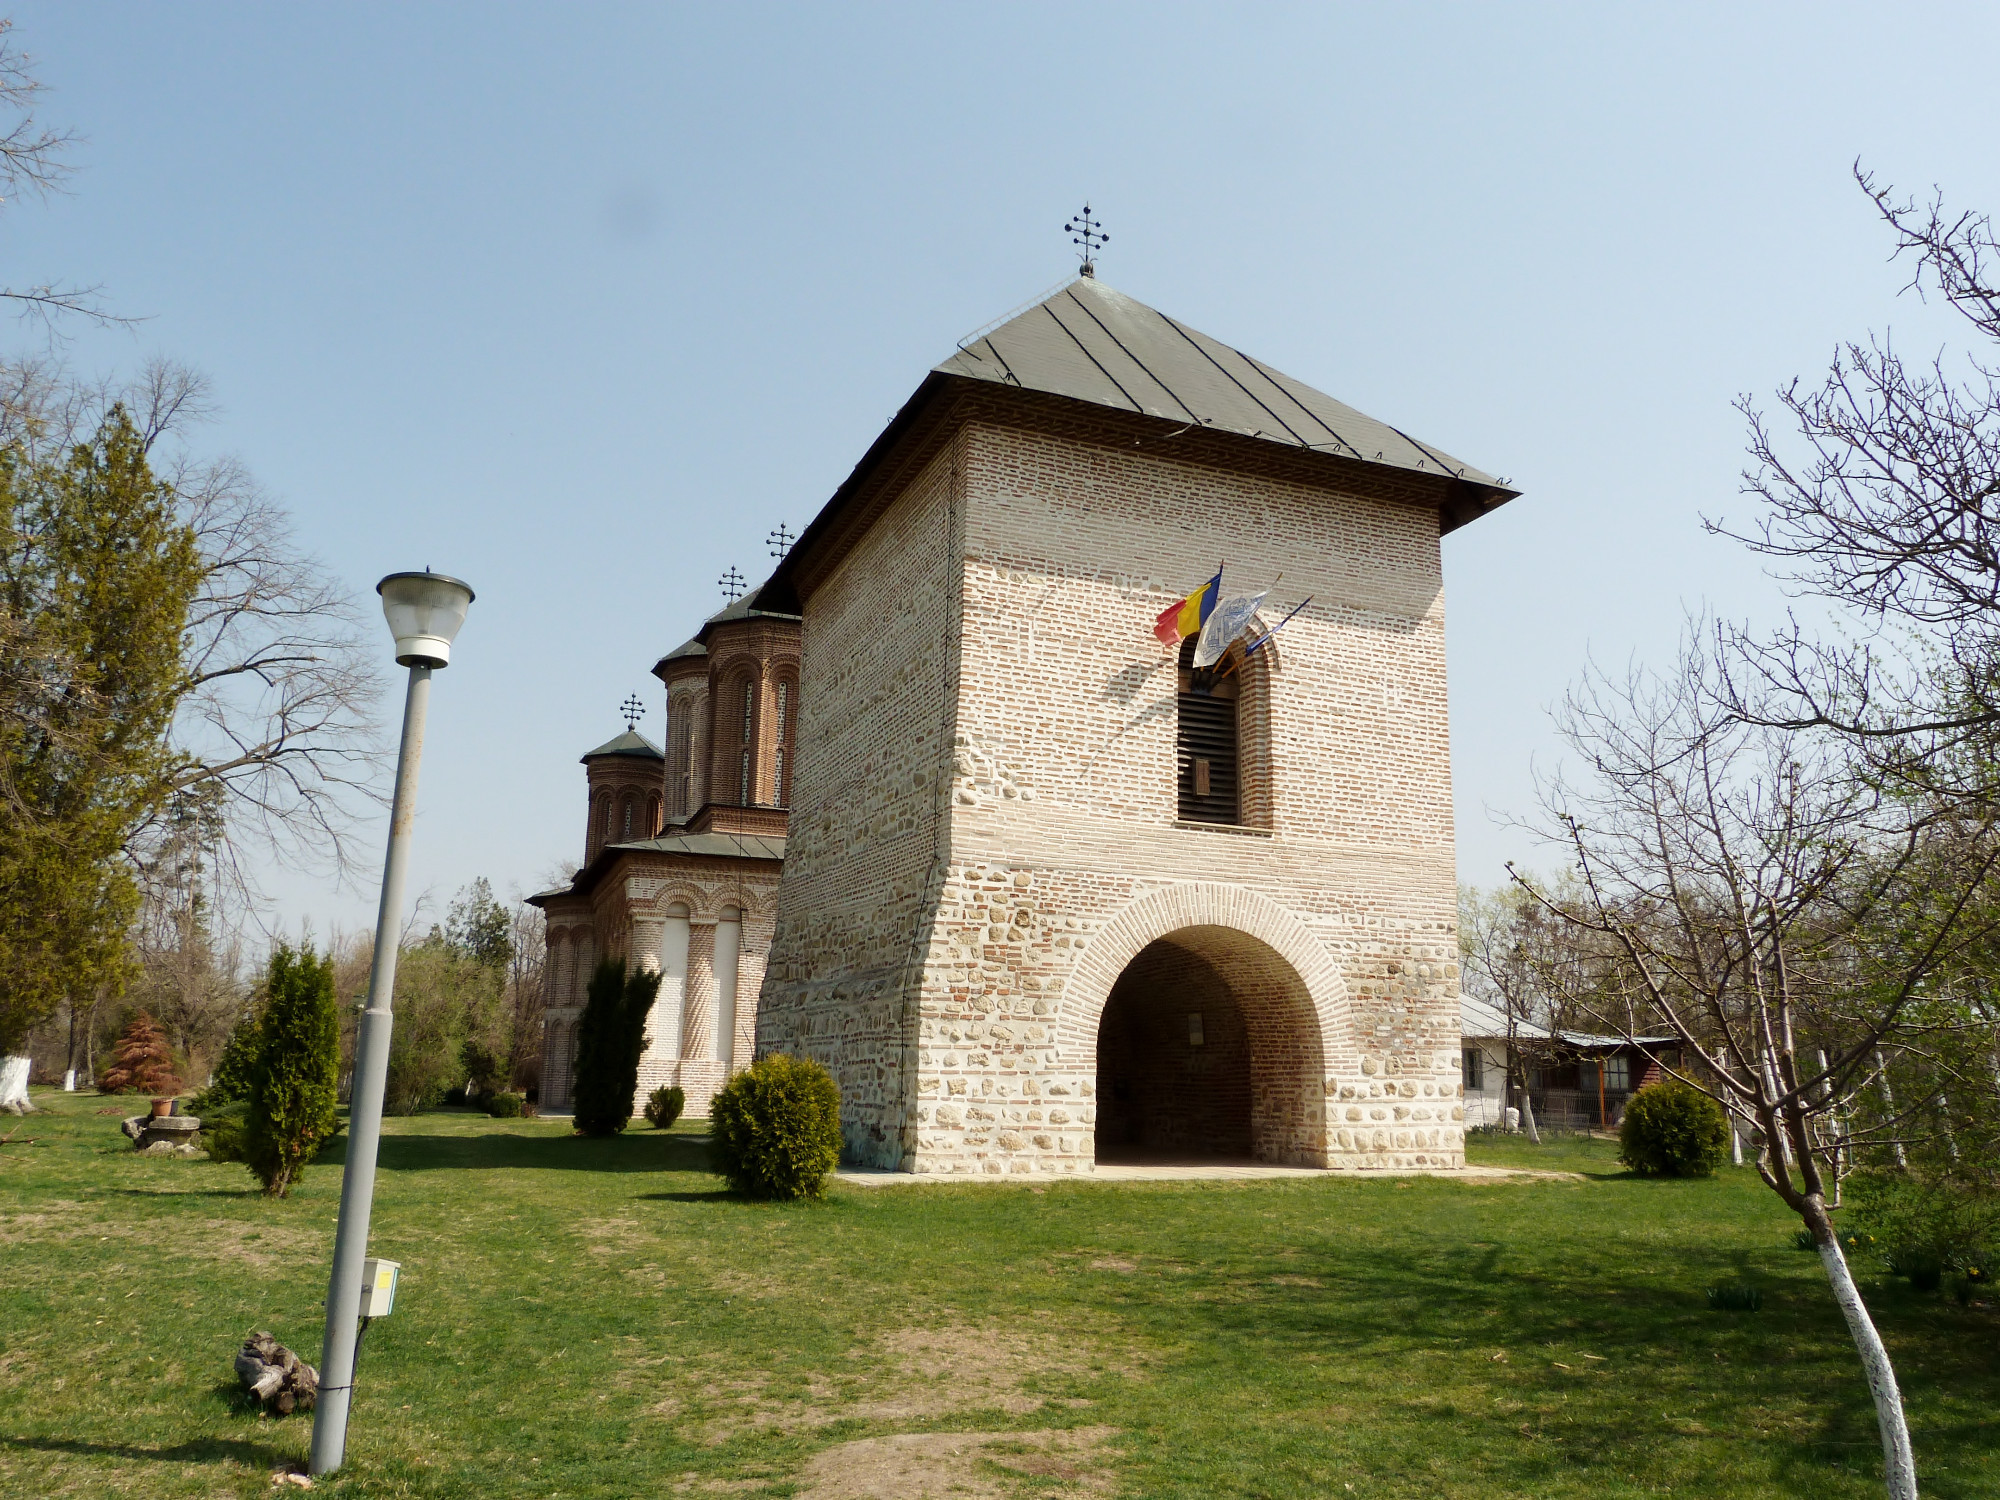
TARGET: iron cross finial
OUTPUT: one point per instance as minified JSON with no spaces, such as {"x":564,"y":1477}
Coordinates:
{"x":780,"y":540}
{"x":632,"y":711}
{"x":1088,"y":235}
{"x":731,"y":583}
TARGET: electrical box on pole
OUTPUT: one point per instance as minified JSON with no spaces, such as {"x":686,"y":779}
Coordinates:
{"x":378,"y":1287}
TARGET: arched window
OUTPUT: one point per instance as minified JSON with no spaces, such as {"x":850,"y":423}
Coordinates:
{"x":746,"y":781}
{"x":781,"y":770}
{"x":1206,"y":759}
{"x":684,"y":758}
{"x":628,"y":820}
{"x":652,"y":817}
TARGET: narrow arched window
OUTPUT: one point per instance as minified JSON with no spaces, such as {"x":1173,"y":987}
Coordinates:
{"x":628,"y":820}
{"x":1205,"y":740}
{"x":746,"y":784}
{"x":781,"y":791}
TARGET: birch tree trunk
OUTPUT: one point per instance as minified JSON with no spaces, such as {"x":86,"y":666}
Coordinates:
{"x":14,"y":1085}
{"x":1898,"y":1463}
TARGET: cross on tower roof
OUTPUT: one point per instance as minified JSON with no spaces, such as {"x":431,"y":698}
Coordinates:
{"x":780,"y":540}
{"x":632,"y":711}
{"x":731,"y":583}
{"x":1088,"y":234}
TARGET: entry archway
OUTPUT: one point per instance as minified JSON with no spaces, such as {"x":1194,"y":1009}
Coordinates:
{"x":1278,"y":973}
{"x":1209,"y":1046}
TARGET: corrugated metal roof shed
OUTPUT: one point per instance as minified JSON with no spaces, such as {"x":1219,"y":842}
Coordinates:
{"x":1091,"y":343}
{"x":1487,"y":1022}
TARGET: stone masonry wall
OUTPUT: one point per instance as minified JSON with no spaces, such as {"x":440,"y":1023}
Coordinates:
{"x":1334,"y":918}
{"x":861,"y":853}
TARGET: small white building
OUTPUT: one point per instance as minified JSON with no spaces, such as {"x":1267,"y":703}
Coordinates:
{"x":1574,"y":1079}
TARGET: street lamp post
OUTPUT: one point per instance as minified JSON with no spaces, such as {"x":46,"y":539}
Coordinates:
{"x":425,"y":611}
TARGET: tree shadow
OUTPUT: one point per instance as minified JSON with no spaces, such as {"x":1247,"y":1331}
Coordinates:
{"x":1579,"y":1336}
{"x":653,"y":1151}
{"x":194,"y":1451}
{"x":242,"y":1192}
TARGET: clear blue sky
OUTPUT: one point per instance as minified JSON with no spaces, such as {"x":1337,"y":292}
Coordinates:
{"x":577,"y":302}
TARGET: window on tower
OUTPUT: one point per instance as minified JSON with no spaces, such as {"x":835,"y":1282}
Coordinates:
{"x":1205,"y":741}
{"x":781,"y":787}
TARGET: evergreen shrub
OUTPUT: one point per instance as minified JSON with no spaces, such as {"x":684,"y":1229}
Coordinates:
{"x":505,"y":1106}
{"x":664,"y":1106}
{"x":144,"y":1062}
{"x":610,"y":1039}
{"x":292,"y":1102}
{"x":223,"y":1131}
{"x":235,"y":1071}
{"x":775,"y":1128}
{"x":1672,"y":1129}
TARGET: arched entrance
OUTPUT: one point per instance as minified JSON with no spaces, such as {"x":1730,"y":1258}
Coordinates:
{"x":1209,"y":1046}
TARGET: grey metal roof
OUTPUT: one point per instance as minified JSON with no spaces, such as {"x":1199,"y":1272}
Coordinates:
{"x":1478,"y":1019}
{"x":1091,"y":343}
{"x":717,"y":845}
{"x":631,"y":742}
{"x":743,"y":607}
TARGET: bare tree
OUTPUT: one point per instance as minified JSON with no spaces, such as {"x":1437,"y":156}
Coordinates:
{"x":1785,"y":918}
{"x":1885,"y":501}
{"x":34,"y":163}
{"x":526,"y":963}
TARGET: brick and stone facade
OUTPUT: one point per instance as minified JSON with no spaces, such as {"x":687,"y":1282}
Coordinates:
{"x":998,"y":923}
{"x":682,"y":851}
{"x":994,"y":927}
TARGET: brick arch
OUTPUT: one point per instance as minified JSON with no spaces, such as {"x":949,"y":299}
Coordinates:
{"x":1168,"y":909}
{"x":1291,"y":994}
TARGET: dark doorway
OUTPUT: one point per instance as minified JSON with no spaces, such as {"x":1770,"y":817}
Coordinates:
{"x":1173,"y":1061}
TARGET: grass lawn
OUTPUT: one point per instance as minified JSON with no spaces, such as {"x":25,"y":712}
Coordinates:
{"x":597,"y":1319}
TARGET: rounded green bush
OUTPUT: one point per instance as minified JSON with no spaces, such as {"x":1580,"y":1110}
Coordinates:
{"x":1672,"y":1129}
{"x":505,"y":1106}
{"x":664,"y":1106}
{"x":775,"y":1128}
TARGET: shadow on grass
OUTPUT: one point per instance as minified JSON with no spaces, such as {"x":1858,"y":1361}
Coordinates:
{"x":501,"y":1150}
{"x":195,"y":1451}
{"x":1643,"y":1328}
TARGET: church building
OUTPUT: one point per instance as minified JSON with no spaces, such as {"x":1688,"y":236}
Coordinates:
{"x":951,"y":806}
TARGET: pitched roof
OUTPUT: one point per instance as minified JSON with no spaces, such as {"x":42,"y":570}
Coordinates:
{"x":743,"y":607}
{"x":1091,"y":343}
{"x":1478,"y":1019}
{"x":631,"y":742}
{"x":715,"y":845}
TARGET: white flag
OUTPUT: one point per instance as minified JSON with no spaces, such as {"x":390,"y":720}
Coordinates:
{"x":1225,"y":622}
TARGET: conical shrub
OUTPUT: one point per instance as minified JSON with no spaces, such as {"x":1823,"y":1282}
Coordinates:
{"x":143,"y":1061}
{"x":293,"y":1098}
{"x":610,"y":1040}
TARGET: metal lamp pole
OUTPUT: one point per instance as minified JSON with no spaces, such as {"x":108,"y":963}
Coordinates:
{"x":425,"y":611}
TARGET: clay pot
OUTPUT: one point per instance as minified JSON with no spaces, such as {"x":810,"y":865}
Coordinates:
{"x":162,"y":1107}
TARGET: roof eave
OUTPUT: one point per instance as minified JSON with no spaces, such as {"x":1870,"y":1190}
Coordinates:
{"x":1460,"y":501}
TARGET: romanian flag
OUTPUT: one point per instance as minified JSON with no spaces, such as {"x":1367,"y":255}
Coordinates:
{"x":1183,"y":618}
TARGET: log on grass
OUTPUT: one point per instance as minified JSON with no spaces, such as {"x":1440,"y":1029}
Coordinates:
{"x":278,"y":1378}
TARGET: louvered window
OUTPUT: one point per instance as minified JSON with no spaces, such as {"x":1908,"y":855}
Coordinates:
{"x":1205,"y":753}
